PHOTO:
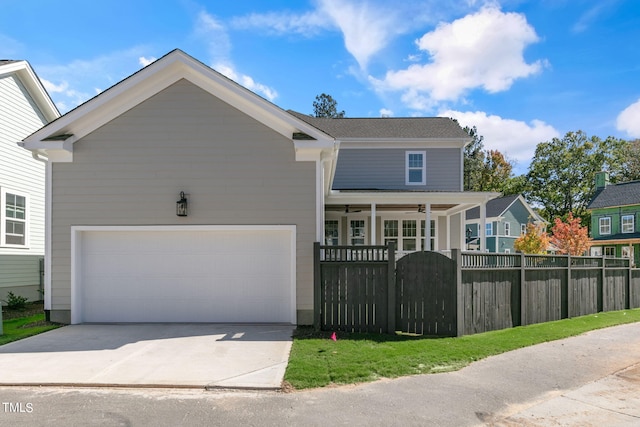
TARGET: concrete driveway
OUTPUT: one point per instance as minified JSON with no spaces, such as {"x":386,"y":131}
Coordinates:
{"x":145,"y":355}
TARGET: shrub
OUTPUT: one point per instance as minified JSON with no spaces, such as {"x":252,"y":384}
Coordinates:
{"x":16,"y":302}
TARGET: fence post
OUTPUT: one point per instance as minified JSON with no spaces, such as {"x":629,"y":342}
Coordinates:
{"x":391,"y":287}
{"x":627,"y":291}
{"x":523,"y":277}
{"x":317,"y":293}
{"x":600,"y":291}
{"x":456,"y":255}
{"x":569,"y":288}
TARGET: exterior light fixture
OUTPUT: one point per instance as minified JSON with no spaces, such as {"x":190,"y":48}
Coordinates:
{"x":181,"y":205}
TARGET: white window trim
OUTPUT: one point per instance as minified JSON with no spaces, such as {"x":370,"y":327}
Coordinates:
{"x":423,"y":168}
{"x":523,"y":229}
{"x":488,"y":227}
{"x":633,"y":223}
{"x":600,"y":221}
{"x":3,"y":218}
{"x":507,"y":229}
{"x":608,"y":248}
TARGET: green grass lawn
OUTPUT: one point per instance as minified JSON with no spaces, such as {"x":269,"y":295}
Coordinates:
{"x":318,"y":361}
{"x":17,"y":329}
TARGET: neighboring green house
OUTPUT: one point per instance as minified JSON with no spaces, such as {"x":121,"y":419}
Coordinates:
{"x":507,"y":218}
{"x":615,"y":209}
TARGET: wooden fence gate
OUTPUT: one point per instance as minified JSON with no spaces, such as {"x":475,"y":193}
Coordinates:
{"x":426,"y":301}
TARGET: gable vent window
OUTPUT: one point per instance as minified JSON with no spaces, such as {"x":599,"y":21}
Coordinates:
{"x":415,"y":173}
{"x":14,"y":215}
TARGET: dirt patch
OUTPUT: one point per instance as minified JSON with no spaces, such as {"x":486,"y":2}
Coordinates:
{"x":31,"y":309}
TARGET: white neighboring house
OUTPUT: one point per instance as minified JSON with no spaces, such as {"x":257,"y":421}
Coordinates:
{"x":25,"y":107}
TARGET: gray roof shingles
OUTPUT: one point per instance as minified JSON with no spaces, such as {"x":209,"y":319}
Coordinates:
{"x":623,"y":194}
{"x":495,"y":207}
{"x":392,"y":127}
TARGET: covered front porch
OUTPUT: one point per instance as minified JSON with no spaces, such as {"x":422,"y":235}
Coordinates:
{"x":376,"y":218}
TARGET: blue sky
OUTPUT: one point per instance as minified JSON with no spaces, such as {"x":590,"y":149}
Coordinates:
{"x":523,"y":72}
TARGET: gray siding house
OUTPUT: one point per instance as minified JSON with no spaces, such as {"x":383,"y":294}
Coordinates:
{"x":25,"y":107}
{"x":180,"y":196}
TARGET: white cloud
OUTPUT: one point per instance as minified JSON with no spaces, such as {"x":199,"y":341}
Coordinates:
{"x":72,"y":84}
{"x":385,"y":112}
{"x":144,"y":61}
{"x":214,"y":33}
{"x":366,"y":29}
{"x":515,"y":139}
{"x":481,"y":50}
{"x":629,"y":120}
{"x":367,"y":26}
{"x":306,"y":24}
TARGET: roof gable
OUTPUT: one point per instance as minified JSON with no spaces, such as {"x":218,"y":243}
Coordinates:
{"x":23,"y":71}
{"x":622,"y":194}
{"x":499,"y":206}
{"x":57,"y":138}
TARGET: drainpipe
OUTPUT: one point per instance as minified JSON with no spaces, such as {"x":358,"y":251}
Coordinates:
{"x":46,"y":286}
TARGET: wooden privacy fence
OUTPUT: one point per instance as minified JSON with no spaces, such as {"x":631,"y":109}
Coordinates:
{"x":363,"y":289}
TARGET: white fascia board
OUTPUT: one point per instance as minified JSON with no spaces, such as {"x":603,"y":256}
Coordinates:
{"x":369,"y":143}
{"x":465,"y":198}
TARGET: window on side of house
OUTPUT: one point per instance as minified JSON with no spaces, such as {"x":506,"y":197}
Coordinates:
{"x":415,"y":168}
{"x":627,"y":224}
{"x":610,"y":251}
{"x":507,"y":229}
{"x":489,"y":229}
{"x":523,"y":228}
{"x":391,"y":231}
{"x":356,"y":233}
{"x":409,"y":235}
{"x":14,"y":215}
{"x":331,"y":232}
{"x":605,"y":225}
{"x":627,"y":252}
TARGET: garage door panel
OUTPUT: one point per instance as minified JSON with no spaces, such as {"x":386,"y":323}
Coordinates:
{"x":186,"y":276}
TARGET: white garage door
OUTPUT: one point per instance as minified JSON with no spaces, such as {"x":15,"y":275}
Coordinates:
{"x":184,"y":274}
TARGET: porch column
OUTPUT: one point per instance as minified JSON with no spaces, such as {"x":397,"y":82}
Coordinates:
{"x":373,"y":225}
{"x":426,"y":246}
{"x":448,"y":236}
{"x":482,"y":232}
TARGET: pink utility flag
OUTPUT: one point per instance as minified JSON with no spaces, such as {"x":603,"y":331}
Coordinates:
{"x":333,"y":337}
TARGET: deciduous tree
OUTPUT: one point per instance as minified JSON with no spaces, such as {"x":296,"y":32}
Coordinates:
{"x":570,"y":237}
{"x":561,"y":175}
{"x":534,"y":241}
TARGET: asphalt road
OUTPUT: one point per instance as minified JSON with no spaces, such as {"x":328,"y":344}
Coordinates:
{"x":593,"y":379}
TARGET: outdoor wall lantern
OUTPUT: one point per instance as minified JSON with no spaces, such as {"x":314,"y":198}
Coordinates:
{"x":181,"y":205}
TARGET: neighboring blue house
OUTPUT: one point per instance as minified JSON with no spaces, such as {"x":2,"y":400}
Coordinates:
{"x":25,"y":107}
{"x":507,"y":218}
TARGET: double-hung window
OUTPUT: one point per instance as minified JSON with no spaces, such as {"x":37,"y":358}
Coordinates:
{"x":14,"y":219}
{"x":507,"y":229}
{"x":391,"y":231}
{"x":605,"y":225}
{"x":627,"y":223}
{"x":331,"y":232}
{"x":488,"y":229}
{"x":356,"y":235}
{"x":416,"y":169}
